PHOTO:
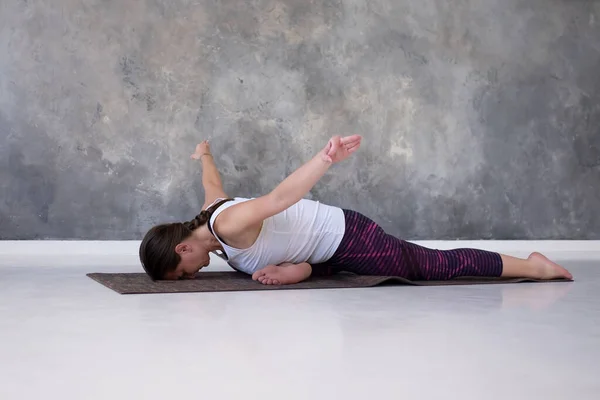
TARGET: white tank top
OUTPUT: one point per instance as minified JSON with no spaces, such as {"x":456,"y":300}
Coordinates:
{"x":308,"y":231}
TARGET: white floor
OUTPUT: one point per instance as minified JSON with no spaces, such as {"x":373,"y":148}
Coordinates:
{"x":65,"y":336}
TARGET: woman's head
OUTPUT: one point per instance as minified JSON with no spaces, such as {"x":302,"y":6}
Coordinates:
{"x":178,"y":250}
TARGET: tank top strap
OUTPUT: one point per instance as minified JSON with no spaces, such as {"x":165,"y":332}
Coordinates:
{"x":216,"y":209}
{"x":211,"y":209}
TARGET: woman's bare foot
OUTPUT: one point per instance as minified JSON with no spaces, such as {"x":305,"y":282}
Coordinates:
{"x":547,"y":269}
{"x":270,"y":275}
{"x":536,"y":266}
{"x":285,"y":274}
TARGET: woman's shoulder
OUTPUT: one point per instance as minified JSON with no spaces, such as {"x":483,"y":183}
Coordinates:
{"x":217,"y":217}
{"x":228,"y":230}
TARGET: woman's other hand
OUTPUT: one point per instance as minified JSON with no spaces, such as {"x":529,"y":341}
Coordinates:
{"x":339,"y":148}
{"x":201,"y":149}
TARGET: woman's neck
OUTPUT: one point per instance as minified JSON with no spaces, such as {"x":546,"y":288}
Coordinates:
{"x":207,"y":239}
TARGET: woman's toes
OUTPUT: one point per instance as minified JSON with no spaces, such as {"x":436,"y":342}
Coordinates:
{"x":265,"y":280}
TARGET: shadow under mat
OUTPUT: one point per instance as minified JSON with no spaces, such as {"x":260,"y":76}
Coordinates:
{"x":140,"y":283}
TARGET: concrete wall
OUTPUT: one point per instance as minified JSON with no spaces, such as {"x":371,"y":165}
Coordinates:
{"x":481,"y":118}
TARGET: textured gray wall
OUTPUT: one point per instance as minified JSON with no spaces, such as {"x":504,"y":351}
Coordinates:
{"x":481,"y":118}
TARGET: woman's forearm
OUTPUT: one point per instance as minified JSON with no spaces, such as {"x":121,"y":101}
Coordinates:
{"x":210,"y":173}
{"x":293,"y":188}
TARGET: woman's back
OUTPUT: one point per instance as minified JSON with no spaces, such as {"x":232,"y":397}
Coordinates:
{"x":307,"y":231}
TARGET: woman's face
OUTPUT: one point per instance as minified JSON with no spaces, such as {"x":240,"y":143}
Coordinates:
{"x":194,"y":257}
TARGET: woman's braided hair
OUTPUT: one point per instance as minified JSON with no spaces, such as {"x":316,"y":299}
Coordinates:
{"x":157,"y":250}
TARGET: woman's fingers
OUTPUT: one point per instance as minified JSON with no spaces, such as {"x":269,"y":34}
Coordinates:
{"x":338,"y":148}
{"x":353,"y":146}
{"x":351,"y":139}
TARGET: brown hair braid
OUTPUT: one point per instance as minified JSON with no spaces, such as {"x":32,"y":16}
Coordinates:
{"x":157,"y":250}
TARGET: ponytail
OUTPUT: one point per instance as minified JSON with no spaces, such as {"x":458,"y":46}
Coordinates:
{"x":204,"y":216}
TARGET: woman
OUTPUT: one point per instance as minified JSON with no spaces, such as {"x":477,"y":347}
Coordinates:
{"x":281,"y":238}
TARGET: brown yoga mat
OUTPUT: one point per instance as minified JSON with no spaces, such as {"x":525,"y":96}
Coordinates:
{"x":138,"y":283}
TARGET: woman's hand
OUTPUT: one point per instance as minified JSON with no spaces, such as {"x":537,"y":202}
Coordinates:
{"x":339,"y":148}
{"x":201,"y":149}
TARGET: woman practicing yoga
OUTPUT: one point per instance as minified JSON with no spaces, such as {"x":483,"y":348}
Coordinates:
{"x":281,"y":238}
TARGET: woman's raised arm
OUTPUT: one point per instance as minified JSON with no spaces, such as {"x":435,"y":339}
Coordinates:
{"x":292,"y":189}
{"x":211,"y":179}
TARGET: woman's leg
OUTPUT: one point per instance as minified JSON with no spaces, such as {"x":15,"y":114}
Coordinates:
{"x":432,"y":264}
{"x":367,"y":250}
{"x":447,"y":264}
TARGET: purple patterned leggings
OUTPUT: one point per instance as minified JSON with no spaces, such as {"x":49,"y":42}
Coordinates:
{"x":367,"y":250}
